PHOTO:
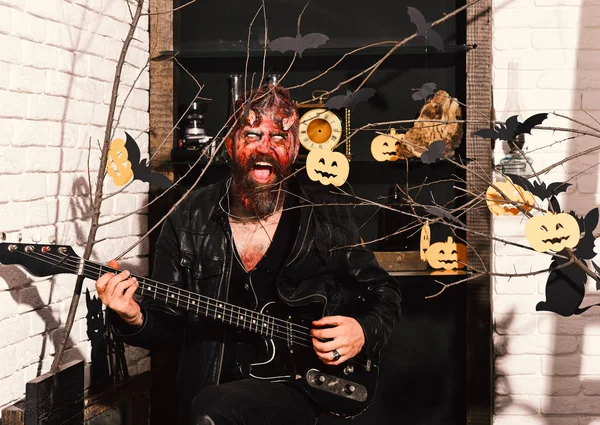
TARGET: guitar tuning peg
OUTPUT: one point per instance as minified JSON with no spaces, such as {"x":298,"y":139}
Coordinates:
{"x":36,"y":238}
{"x":52,"y":240}
{"x":2,"y":236}
{"x":19,"y":237}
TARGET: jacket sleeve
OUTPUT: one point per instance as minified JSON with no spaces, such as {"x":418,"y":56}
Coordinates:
{"x":162,"y":324}
{"x":380,"y":297}
{"x":380,"y":294}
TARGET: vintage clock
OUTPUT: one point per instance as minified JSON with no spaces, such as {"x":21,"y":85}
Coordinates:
{"x":323,"y":128}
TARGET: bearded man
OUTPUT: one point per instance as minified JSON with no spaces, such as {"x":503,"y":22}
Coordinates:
{"x":256,"y":237}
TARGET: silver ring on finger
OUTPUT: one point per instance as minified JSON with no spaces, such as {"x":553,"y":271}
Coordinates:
{"x":336,"y":355}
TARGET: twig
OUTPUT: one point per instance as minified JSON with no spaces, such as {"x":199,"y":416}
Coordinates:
{"x":98,"y":193}
{"x":170,"y":11}
{"x":577,"y":122}
{"x":407,"y":39}
{"x":118,"y":121}
{"x":556,"y":164}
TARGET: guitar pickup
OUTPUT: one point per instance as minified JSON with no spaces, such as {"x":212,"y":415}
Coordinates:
{"x":338,"y":386}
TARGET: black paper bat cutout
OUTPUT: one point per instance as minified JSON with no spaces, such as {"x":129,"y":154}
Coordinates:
{"x":565,"y":289}
{"x":350,"y":100}
{"x":299,"y":43}
{"x":424,"y":92}
{"x":585,"y":247}
{"x":141,"y":170}
{"x":540,"y":190}
{"x":441,"y":212}
{"x":434,"y":152}
{"x":512,"y":128}
{"x":424,"y":29}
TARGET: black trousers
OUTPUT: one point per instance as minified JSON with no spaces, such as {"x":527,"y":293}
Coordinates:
{"x":252,"y":402}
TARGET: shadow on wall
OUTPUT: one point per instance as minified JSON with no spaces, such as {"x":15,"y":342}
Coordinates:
{"x":25,"y":293}
{"x":17,"y":279}
{"x":585,"y":172}
{"x":501,"y":383}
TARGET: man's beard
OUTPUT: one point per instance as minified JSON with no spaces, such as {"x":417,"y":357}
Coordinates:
{"x":257,"y":198}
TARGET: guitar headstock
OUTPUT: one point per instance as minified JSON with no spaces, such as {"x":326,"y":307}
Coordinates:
{"x":40,"y":259}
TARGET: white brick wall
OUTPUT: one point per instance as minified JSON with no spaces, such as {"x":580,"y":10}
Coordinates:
{"x":56,"y":69}
{"x":547,"y":366}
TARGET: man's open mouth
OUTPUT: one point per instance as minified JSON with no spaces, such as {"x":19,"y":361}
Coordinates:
{"x":262,"y":171}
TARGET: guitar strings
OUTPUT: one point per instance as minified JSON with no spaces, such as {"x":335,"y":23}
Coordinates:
{"x":230,"y":315}
{"x":291,"y":337}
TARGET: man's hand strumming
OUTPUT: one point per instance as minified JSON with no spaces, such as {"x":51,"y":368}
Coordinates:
{"x":116,"y":292}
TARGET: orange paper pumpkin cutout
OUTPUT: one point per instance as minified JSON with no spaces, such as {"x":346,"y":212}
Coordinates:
{"x":498,"y":205}
{"x":447,"y":255}
{"x":327,"y":167}
{"x":552,"y":232}
{"x":385,"y":147}
{"x":118,"y":166}
{"x":425,"y":240}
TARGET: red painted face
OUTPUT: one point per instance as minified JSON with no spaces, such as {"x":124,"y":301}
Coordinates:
{"x":265,"y":148}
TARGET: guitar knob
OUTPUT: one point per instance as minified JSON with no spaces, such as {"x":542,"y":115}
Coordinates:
{"x":349,"y":369}
{"x":319,"y":379}
{"x":349,"y":389}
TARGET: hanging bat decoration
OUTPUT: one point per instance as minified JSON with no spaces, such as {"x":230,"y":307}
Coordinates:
{"x":299,"y":43}
{"x":140,"y":169}
{"x":432,"y":38}
{"x":540,"y":189}
{"x":512,"y":128}
{"x":350,"y":100}
{"x":426,"y":90}
{"x":434,"y":152}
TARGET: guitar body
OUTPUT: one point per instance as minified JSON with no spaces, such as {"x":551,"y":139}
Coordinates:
{"x":345,"y":390}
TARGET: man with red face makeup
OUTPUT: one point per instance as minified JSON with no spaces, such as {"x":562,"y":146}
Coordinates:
{"x":258,"y":235}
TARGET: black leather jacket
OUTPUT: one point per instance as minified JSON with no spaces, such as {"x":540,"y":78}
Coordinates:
{"x":194,"y":252}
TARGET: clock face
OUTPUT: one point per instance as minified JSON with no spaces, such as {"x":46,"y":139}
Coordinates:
{"x":320,"y":128}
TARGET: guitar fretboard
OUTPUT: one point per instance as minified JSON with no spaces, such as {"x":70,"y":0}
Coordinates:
{"x":239,"y":317}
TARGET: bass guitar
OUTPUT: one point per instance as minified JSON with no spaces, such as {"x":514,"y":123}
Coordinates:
{"x":345,"y":390}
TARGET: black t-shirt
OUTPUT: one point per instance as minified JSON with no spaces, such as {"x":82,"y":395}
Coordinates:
{"x":254,"y":288}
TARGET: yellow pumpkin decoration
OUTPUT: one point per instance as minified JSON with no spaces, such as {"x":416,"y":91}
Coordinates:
{"x":327,"y":167}
{"x":447,"y":255}
{"x":425,"y":240}
{"x":498,"y":205}
{"x":386,"y":146}
{"x":552,"y":232}
{"x":118,"y":165}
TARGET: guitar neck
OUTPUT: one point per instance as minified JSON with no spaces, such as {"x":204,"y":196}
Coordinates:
{"x":211,"y":308}
{"x":45,"y":260}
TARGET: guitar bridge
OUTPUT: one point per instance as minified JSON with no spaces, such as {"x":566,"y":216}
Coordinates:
{"x":338,"y":386}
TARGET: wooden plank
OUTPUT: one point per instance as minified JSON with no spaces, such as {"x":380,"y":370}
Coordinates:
{"x":163,"y":99}
{"x":137,"y":387}
{"x":13,"y":415}
{"x":479,"y":380}
{"x":56,"y":397}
